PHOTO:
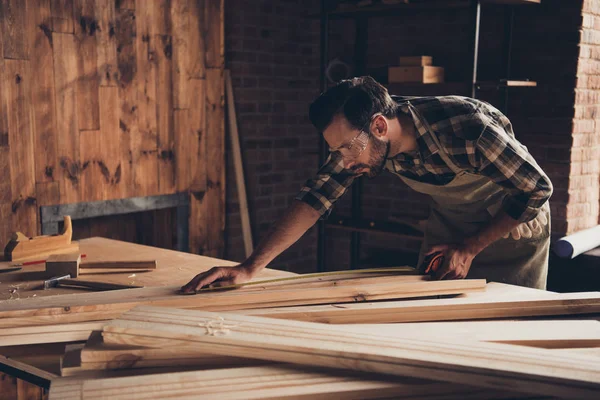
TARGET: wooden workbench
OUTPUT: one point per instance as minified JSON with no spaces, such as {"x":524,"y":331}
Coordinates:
{"x":174,"y":268}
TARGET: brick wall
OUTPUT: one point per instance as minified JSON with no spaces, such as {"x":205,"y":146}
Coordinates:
{"x":582,"y":209}
{"x":272,"y":50}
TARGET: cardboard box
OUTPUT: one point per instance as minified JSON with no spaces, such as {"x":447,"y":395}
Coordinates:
{"x":425,"y":74}
{"x":417,"y":61}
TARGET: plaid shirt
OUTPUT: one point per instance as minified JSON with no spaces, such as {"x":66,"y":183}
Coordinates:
{"x":477,"y":137}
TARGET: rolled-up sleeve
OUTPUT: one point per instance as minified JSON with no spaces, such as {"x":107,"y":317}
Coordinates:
{"x":330,"y":183}
{"x":509,"y":164}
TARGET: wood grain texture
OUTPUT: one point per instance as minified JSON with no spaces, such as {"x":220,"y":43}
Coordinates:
{"x":17,"y":86}
{"x":8,"y":386}
{"x":145,"y":139}
{"x":215,"y":158}
{"x":29,"y":391}
{"x":14,"y":29}
{"x":62,"y":15}
{"x":43,"y":96}
{"x":489,"y":365}
{"x":108,"y":72}
{"x":166,"y":135}
{"x":111,"y":164}
{"x":86,"y":28}
{"x":65,"y":79}
{"x":198,"y":37}
{"x":128,"y":123}
{"x":155,"y":16}
{"x":214,"y":31}
{"x":180,"y":18}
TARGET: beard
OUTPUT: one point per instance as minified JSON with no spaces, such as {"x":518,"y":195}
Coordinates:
{"x":377,"y":158}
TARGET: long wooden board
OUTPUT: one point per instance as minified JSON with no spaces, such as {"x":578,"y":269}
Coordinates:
{"x":490,"y":365}
{"x":440,"y":310}
{"x":48,"y":334}
{"x":100,"y":306}
{"x":272,"y":382}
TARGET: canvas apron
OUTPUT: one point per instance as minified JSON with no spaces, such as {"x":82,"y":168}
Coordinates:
{"x":462,"y":208}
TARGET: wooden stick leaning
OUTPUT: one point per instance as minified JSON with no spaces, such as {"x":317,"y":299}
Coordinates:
{"x":491,"y":365}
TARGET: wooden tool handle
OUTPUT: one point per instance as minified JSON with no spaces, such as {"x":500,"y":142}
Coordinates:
{"x":119,"y":264}
{"x":95,"y":285}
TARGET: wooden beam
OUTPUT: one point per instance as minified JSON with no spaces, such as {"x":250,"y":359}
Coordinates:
{"x":100,"y":306}
{"x":440,"y":310}
{"x":489,"y":365}
{"x":48,"y":334}
{"x":267,"y":382}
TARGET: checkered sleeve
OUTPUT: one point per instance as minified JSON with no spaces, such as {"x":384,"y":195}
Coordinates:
{"x":507,"y":162}
{"x":330,"y":183}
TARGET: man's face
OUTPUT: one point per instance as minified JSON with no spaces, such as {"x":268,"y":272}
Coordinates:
{"x":363,"y":154}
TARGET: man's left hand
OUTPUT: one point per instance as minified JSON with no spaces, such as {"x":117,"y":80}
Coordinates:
{"x":457,"y":261}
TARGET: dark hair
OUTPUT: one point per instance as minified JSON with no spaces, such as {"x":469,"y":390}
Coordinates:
{"x":358,"y":99}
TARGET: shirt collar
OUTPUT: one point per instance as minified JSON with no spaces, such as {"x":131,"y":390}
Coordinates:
{"x":425,"y":146}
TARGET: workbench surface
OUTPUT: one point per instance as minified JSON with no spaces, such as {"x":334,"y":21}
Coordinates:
{"x":174,"y":268}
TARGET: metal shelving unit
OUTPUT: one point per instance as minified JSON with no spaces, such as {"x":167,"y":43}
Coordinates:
{"x":361,"y":16}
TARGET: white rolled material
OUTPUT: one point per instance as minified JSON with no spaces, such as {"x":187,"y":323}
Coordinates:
{"x":573,"y":245}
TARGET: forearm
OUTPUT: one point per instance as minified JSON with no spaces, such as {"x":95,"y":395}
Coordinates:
{"x":499,"y":226}
{"x":298,"y":218}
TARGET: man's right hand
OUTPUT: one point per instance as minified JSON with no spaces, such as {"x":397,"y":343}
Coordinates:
{"x":218,"y":277}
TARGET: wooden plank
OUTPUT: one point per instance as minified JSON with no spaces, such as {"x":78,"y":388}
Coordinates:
{"x":108,"y":71}
{"x":26,"y":372}
{"x":215,"y":38}
{"x":488,"y":365}
{"x":127,"y":63}
{"x":8,"y":386}
{"x":100,"y":306}
{"x":29,"y":391}
{"x":439,"y":310}
{"x":163,"y":52}
{"x":266,"y":382}
{"x":144,"y":140}
{"x":215,"y":157}
{"x":43,"y":95}
{"x":198,"y":37}
{"x":565,"y":334}
{"x":138,"y":264}
{"x":154,"y":16}
{"x":65,"y":79}
{"x":62,"y":15}
{"x":47,"y":194}
{"x":93,"y":183}
{"x":239,"y":168}
{"x":125,"y":4}
{"x":48,"y":334}
{"x":111,"y":164}
{"x":17,"y":87}
{"x":184,"y":140}
{"x":14,"y":29}
{"x":88,"y":108}
{"x":180,"y":17}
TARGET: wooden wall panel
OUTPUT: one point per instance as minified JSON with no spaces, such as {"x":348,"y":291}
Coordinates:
{"x":62,"y":16}
{"x":17,"y":87}
{"x":88,"y":109}
{"x":13,"y":13}
{"x":128,"y":124}
{"x":180,"y":17}
{"x":144,"y":139}
{"x":65,"y":79}
{"x":215,"y":160}
{"x":214,"y":33}
{"x":42,"y":92}
{"x":108,"y":72}
{"x":164,"y":93}
{"x":122,"y":106}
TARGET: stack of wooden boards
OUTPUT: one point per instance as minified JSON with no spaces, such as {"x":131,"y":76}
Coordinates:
{"x":418,"y":69}
{"x":278,"y":339}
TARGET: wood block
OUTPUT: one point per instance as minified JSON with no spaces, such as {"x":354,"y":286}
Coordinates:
{"x":419,"y":61}
{"x":63,"y":264}
{"x":150,"y":264}
{"x":425,"y":74}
